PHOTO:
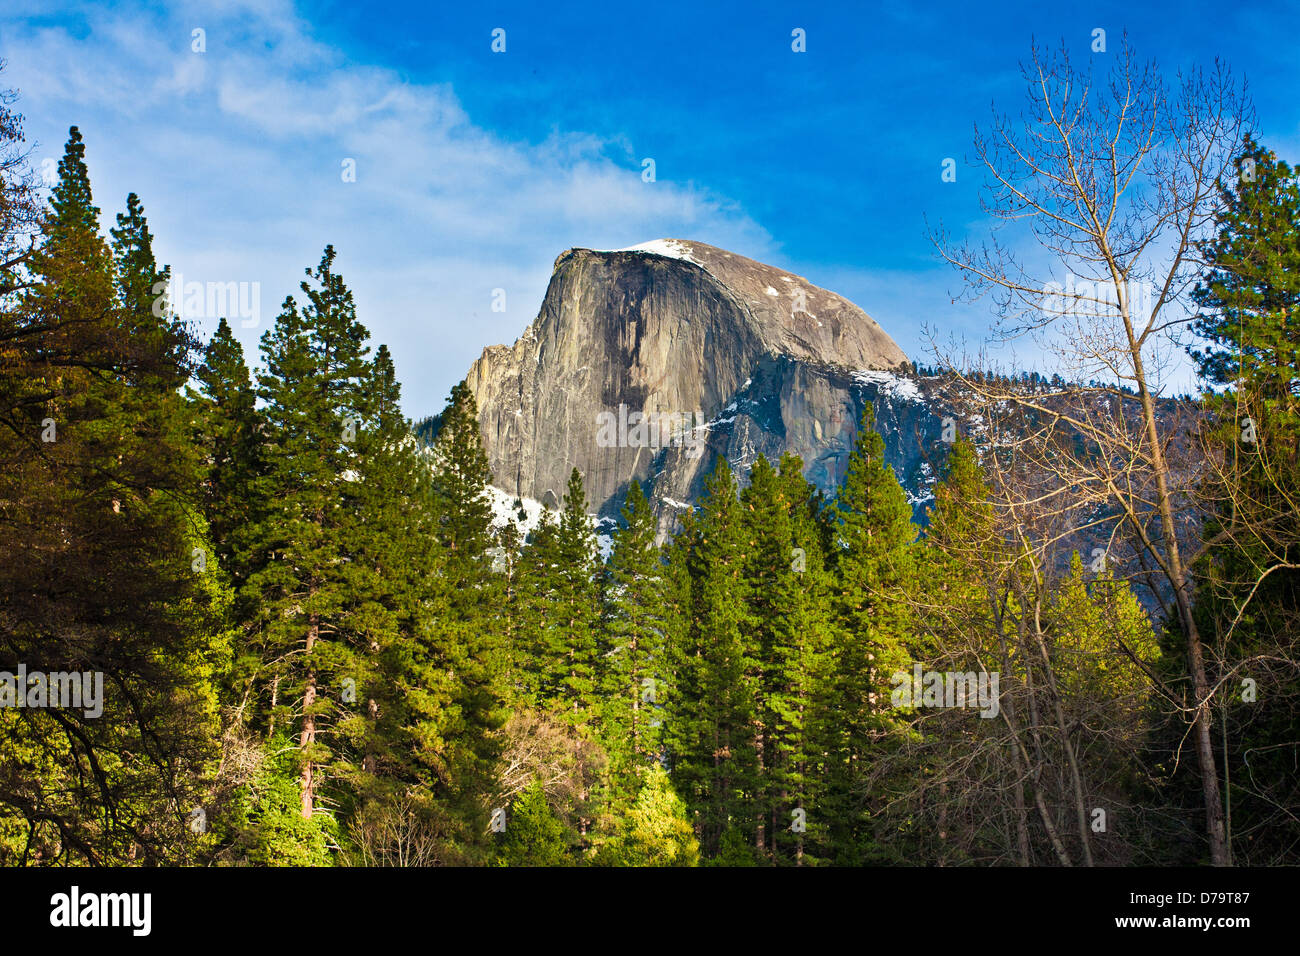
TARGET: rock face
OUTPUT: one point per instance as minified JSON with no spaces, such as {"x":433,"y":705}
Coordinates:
{"x":726,"y":355}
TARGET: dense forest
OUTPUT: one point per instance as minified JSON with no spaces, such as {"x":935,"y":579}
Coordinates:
{"x":318,"y":648}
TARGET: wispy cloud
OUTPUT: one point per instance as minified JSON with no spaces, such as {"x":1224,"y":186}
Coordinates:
{"x":239,"y":155}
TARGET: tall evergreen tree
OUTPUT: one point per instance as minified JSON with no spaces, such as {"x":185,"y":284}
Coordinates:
{"x":794,"y":630}
{"x":714,"y":760}
{"x":465,"y":636}
{"x":226,"y":426}
{"x":461,"y":475}
{"x":573,"y":634}
{"x":1250,"y":291}
{"x":99,"y":572}
{"x":141,"y":287}
{"x":634,"y":625}
{"x":655,"y":830}
{"x":313,"y":386}
{"x":534,"y":834}
{"x":538,"y":668}
{"x":1248,"y":588}
{"x":559,"y":613}
{"x":874,"y":567}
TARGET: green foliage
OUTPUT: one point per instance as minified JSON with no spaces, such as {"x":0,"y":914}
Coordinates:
{"x":1248,"y":586}
{"x":450,"y":679}
{"x":97,"y":562}
{"x":874,"y":572}
{"x":711,"y":732}
{"x":534,"y":835}
{"x":263,"y":824}
{"x":224,"y":423}
{"x":560,"y":609}
{"x":304,"y":584}
{"x":310,"y":628}
{"x":656,"y":830}
{"x":1250,"y":290}
{"x":634,"y":625}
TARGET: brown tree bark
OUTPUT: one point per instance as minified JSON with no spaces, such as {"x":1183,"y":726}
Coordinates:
{"x":308,"y":736}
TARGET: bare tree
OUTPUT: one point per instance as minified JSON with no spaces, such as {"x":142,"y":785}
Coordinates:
{"x":537,"y":747}
{"x":401,"y":831}
{"x":1038,"y":781}
{"x":20,"y":207}
{"x":1117,"y":184}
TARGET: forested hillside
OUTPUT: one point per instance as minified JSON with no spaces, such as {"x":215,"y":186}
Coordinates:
{"x":318,"y":649}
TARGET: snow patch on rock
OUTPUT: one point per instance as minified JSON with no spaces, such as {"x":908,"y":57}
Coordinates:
{"x":663,"y":247}
{"x":887,"y":383}
{"x":506,"y":508}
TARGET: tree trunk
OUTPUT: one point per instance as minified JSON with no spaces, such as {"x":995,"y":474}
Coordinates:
{"x":308,"y":737}
{"x":1063,"y":728}
{"x":1214,"y":817}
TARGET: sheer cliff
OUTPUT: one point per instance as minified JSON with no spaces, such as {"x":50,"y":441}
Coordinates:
{"x":649,"y":362}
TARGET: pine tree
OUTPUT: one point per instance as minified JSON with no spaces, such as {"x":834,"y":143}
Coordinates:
{"x":963,"y":617}
{"x":634,"y":625}
{"x":313,"y":386}
{"x":874,"y":567}
{"x":1248,"y":591}
{"x":226,"y":426}
{"x":655,"y":831}
{"x":534,"y":834}
{"x":1250,"y":292}
{"x":100,"y":570}
{"x":392,"y":588}
{"x":767,"y":541}
{"x":538,"y":667}
{"x":558,"y":613}
{"x":463,"y":638}
{"x":574,"y":638}
{"x":711,"y":718}
{"x":794,"y":627}
{"x":461,"y":475}
{"x":141,"y":286}
{"x":73,"y":206}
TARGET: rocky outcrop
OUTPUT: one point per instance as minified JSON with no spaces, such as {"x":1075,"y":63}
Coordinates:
{"x":725,"y":355}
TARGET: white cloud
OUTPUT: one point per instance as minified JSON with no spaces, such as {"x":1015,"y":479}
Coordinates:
{"x":237,"y":154}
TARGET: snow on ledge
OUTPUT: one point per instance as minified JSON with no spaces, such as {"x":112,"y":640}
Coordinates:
{"x":887,"y":383}
{"x":663,"y":247}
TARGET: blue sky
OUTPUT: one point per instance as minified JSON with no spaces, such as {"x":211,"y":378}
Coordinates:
{"x":474,"y":170}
